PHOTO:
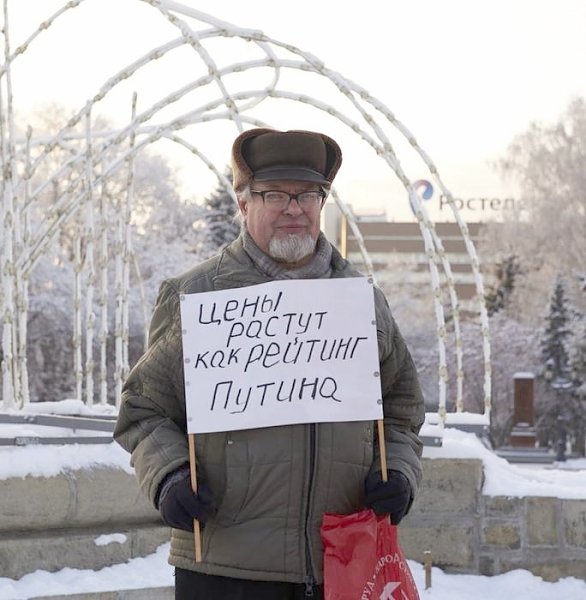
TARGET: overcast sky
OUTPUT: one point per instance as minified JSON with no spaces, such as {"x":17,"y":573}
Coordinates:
{"x":463,"y":76}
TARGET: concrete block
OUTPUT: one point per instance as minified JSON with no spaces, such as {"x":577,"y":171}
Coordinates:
{"x":542,"y":520}
{"x":146,"y":540}
{"x":76,"y":549}
{"x":502,"y":506}
{"x":449,"y":485}
{"x":108,"y":496}
{"x":87,"y":498}
{"x":487,"y":565}
{"x":21,"y":555}
{"x":451,"y":546}
{"x":574,"y":524}
{"x":35,"y":503}
{"x":503,"y":535}
{"x":550,"y":569}
{"x":166,"y":593}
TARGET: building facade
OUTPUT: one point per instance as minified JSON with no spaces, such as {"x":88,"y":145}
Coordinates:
{"x":397,"y":251}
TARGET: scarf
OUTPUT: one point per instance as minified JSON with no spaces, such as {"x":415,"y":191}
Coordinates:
{"x":318,"y":268}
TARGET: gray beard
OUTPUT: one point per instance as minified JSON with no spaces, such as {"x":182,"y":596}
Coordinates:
{"x":292,"y":248}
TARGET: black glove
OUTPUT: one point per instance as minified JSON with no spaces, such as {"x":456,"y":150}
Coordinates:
{"x":392,"y":497}
{"x":178,"y":504}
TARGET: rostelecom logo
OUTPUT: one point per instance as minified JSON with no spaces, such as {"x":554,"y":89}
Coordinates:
{"x":424,"y":190}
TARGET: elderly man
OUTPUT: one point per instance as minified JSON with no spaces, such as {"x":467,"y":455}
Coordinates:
{"x":262,"y":492}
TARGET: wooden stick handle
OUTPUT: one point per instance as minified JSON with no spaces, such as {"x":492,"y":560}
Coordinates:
{"x":382,"y":447}
{"x":193,"y":471}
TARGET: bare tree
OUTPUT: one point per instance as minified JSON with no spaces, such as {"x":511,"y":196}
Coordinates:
{"x":549,"y":235}
{"x":164,"y":242}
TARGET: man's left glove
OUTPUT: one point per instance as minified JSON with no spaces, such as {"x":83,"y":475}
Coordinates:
{"x":392,"y":497}
{"x":178,"y":504}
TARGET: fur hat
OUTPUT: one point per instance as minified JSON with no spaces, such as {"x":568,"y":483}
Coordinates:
{"x":268,"y":155}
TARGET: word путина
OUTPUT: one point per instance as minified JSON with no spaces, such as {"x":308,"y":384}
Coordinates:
{"x":235,"y":399}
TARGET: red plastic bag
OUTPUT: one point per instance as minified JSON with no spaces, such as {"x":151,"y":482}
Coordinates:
{"x":362,"y":559}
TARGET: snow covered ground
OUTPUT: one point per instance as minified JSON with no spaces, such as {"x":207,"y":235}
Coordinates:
{"x":566,"y":480}
{"x":153,"y":571}
{"x":562,"y":480}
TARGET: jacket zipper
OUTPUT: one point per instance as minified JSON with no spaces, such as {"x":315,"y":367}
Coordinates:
{"x":309,"y":578}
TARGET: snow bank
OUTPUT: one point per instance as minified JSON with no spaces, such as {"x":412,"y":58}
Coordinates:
{"x":49,"y":461}
{"x":505,"y":479}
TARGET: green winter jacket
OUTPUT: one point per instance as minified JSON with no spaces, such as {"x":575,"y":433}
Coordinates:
{"x":273,"y":484}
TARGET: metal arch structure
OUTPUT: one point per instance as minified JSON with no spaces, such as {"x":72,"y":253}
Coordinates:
{"x":97,"y":156}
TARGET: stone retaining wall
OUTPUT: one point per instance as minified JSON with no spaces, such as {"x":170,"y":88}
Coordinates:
{"x":52,"y":523}
{"x":468,"y":532}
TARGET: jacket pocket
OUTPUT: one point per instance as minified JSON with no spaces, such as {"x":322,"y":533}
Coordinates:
{"x":237,"y":483}
{"x":346,"y":469}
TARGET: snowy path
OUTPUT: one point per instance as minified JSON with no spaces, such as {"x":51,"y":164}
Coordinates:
{"x":153,"y":571}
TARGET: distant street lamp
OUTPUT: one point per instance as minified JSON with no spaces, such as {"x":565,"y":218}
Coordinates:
{"x":561,"y":386}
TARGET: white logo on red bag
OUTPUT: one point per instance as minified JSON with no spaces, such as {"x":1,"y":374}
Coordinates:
{"x":391,"y":586}
{"x":389,"y":589}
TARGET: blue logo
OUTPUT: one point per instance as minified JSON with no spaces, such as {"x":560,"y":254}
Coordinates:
{"x":424,"y":190}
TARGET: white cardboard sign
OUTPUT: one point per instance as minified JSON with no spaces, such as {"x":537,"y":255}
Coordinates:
{"x":294,"y":351}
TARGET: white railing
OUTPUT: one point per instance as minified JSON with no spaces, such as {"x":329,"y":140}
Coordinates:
{"x":88,"y":158}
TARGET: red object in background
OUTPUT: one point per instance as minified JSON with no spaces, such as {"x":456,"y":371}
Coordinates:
{"x":362,"y":559}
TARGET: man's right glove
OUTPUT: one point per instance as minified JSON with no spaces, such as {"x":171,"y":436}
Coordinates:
{"x":178,"y":504}
{"x":392,"y":497}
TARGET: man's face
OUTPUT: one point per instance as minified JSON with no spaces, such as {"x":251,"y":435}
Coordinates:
{"x":274,"y":228}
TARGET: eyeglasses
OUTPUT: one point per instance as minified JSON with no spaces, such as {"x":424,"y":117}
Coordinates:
{"x":281,"y":200}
